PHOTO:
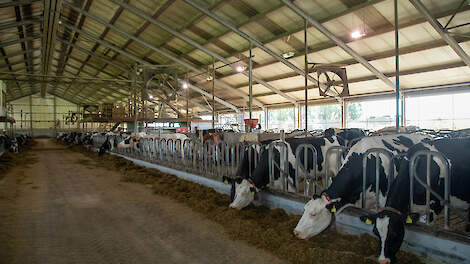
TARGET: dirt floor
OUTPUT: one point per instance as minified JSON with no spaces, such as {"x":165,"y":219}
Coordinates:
{"x":61,"y":206}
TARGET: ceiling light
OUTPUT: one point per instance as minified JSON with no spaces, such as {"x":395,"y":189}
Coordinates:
{"x":209,"y":77}
{"x":60,"y":22}
{"x":185,"y":85}
{"x":357,"y":34}
{"x":239,"y":68}
{"x":288,"y":55}
{"x":150,"y":96}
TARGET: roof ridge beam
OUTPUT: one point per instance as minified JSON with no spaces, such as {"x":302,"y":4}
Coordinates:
{"x":442,"y":32}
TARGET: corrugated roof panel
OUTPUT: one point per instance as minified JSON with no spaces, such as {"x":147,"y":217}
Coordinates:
{"x":178,"y":14}
{"x":129,"y":22}
{"x":148,"y":6}
{"x":159,"y":59}
{"x":262,"y":5}
{"x":312,"y":94}
{"x":257,"y":89}
{"x":357,"y":71}
{"x":290,"y":83}
{"x":154,"y":35}
{"x":455,"y":75}
{"x":116,"y":38}
{"x":367,"y":87}
{"x":272,"y":99}
{"x":285,"y":17}
{"x":235,"y":41}
{"x":134,"y":46}
{"x":255,"y":29}
{"x":272,"y":70}
{"x":231,"y":14}
{"x":104,"y":9}
{"x":321,"y":9}
{"x":93,"y":27}
{"x":181,"y":45}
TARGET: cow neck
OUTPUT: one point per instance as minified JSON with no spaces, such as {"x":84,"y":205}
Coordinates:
{"x":391,"y":209}
{"x":398,"y":196}
{"x":348,"y":183}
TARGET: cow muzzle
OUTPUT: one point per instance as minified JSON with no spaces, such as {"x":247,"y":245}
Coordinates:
{"x":384,"y":261}
{"x":297,"y":234}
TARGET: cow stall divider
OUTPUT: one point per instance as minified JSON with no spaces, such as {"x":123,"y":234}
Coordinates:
{"x":235,"y":156}
{"x":2,"y":147}
{"x":282,"y":165}
{"x":254,"y":149}
{"x":430,"y":155}
{"x":377,"y":153}
{"x":340,"y":151}
{"x":162,"y":148}
{"x":302,"y":167}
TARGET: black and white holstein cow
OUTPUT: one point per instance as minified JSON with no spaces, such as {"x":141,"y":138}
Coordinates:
{"x":244,"y":188}
{"x":346,"y":187}
{"x":389,"y":223}
{"x":109,"y":144}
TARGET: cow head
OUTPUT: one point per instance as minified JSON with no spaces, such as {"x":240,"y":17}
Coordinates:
{"x":316,"y":218}
{"x":389,"y":227}
{"x":242,"y":192}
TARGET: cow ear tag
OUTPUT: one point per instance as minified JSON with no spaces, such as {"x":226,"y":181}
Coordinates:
{"x":368,"y":221}
{"x":409,"y":220}
{"x":225,"y":182}
{"x":333,"y":210}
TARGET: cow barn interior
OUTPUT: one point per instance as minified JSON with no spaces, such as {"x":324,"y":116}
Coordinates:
{"x":234,"y":131}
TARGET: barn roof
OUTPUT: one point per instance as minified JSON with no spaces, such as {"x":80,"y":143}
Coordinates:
{"x":45,"y":46}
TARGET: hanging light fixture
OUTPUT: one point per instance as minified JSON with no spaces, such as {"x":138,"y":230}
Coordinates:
{"x":239,"y":68}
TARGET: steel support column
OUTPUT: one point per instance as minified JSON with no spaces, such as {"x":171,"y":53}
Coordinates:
{"x":250,"y":83}
{"x":397,"y":69}
{"x":306,"y":74}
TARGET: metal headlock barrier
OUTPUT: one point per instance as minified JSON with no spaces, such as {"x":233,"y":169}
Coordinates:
{"x":301,"y":165}
{"x":427,"y":185}
{"x":376,"y":152}
{"x":254,"y":149}
{"x":339,"y":150}
{"x":282,"y":166}
{"x":2,"y":147}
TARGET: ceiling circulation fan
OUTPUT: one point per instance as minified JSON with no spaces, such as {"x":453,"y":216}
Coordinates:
{"x":332,"y":81}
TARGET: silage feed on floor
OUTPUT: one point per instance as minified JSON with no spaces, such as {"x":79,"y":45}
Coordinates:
{"x":259,"y":226}
{"x":23,"y":158}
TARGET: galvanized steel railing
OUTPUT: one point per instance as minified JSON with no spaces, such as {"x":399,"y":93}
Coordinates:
{"x":427,"y":185}
{"x":301,"y":165}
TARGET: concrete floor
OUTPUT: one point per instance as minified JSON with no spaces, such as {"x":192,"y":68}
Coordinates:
{"x":63,"y":209}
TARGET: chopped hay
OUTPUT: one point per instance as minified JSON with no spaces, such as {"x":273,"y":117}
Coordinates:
{"x":259,"y":226}
{"x":24,"y":158}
